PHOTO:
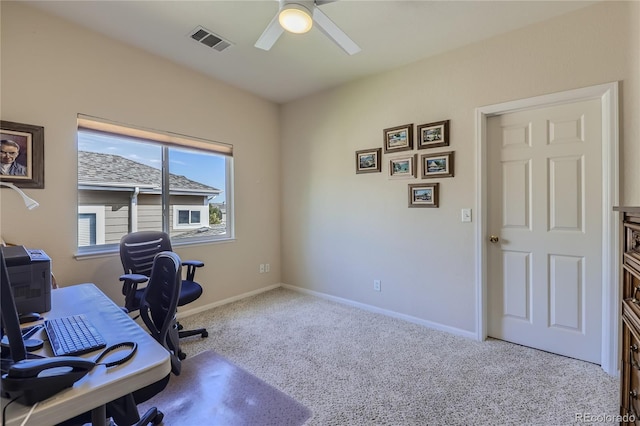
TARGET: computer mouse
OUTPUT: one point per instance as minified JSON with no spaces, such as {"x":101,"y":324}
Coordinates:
{"x":33,"y":344}
{"x":29,"y":317}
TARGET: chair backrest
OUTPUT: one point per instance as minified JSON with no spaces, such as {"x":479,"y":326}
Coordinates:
{"x":138,"y":249}
{"x":160,"y":302}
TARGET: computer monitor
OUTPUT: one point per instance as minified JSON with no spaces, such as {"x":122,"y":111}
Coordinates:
{"x":10,"y":324}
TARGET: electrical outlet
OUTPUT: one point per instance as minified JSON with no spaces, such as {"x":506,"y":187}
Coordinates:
{"x":376,"y":285}
{"x":262,"y":268}
{"x":267,"y":267}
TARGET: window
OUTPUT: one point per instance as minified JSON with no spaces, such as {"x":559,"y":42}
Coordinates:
{"x":189,"y":217}
{"x":132,"y":180}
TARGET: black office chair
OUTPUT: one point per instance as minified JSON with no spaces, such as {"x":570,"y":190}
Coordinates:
{"x":137,"y":251}
{"x":160,"y":302}
{"x":158,"y":311}
{"x":158,"y":308}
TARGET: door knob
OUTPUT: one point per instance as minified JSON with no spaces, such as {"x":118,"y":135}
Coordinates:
{"x":494,"y":239}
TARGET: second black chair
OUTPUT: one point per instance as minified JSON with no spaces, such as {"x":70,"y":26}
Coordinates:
{"x":159,"y":304}
{"x":137,"y":251}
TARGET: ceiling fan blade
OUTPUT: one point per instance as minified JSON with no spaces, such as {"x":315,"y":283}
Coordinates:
{"x":321,"y":2}
{"x":270,"y":35}
{"x":332,"y":31}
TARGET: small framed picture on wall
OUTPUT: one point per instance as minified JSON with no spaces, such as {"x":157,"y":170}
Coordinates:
{"x":437,"y":165}
{"x":368,"y":160}
{"x":399,"y":138}
{"x":423,"y":194}
{"x":403,"y":167}
{"x":433,"y":135}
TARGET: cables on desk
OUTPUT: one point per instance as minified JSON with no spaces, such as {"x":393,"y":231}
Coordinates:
{"x":127,"y":357}
{"x":26,"y":419}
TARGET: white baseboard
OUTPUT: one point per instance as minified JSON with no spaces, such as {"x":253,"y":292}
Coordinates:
{"x":189,"y":312}
{"x":375,"y":309}
{"x":363,"y":306}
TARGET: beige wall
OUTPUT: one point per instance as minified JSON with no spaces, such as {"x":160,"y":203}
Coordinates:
{"x":53,"y":70}
{"x":340,"y":231}
{"x":296,"y":189}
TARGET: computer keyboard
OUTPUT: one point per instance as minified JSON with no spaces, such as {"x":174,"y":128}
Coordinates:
{"x":73,"y":335}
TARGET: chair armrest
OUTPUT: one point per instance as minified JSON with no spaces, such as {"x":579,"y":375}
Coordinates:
{"x":129,"y":288}
{"x":134,"y":278}
{"x":191,"y":268}
{"x":196,"y":263}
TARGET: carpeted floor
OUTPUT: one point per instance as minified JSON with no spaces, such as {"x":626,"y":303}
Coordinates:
{"x":353,"y":367}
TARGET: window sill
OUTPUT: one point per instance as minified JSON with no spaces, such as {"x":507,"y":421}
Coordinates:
{"x":111,"y":250}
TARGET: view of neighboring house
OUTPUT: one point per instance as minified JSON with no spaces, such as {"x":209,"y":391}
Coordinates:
{"x":117,"y":196}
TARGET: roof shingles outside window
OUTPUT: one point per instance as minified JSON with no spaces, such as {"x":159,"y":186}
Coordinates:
{"x":96,"y":169}
{"x":116,"y":174}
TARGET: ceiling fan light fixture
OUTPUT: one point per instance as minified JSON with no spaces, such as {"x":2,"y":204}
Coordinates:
{"x":295,"y":18}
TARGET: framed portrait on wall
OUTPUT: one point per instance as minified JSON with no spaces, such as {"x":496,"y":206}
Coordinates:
{"x":22,"y":154}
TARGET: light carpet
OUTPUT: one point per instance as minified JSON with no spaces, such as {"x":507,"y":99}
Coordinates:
{"x":211,"y":390}
{"x":354,"y":367}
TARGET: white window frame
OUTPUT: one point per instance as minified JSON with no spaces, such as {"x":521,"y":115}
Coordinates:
{"x":165,"y":139}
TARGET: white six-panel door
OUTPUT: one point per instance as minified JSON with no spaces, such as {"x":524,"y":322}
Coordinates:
{"x":544,"y":197}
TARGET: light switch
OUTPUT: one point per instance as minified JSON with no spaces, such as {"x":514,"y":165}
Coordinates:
{"x":466,"y":215}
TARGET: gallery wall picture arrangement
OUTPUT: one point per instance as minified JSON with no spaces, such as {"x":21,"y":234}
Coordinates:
{"x":22,"y":154}
{"x":437,"y":165}
{"x":399,"y":138}
{"x":433,"y":135}
{"x":403,"y":167}
{"x":424,"y":194}
{"x":368,"y":160}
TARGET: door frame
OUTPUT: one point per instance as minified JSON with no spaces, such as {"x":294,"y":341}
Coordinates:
{"x":608,"y":95}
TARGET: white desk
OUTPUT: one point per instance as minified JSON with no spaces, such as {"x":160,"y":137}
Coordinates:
{"x":150,"y":364}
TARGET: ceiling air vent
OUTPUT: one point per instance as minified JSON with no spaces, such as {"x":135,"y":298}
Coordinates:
{"x":206,"y":37}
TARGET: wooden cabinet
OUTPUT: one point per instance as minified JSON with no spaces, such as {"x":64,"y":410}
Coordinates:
{"x":630,"y":344}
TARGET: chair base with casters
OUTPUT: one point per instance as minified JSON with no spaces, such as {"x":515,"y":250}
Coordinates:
{"x":124,"y":410}
{"x":153,"y":415}
{"x":188,"y":333}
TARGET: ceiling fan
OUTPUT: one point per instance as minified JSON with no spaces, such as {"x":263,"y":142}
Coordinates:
{"x":298,"y":16}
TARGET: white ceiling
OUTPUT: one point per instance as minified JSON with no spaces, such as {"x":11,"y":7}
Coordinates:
{"x":391,"y":33}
